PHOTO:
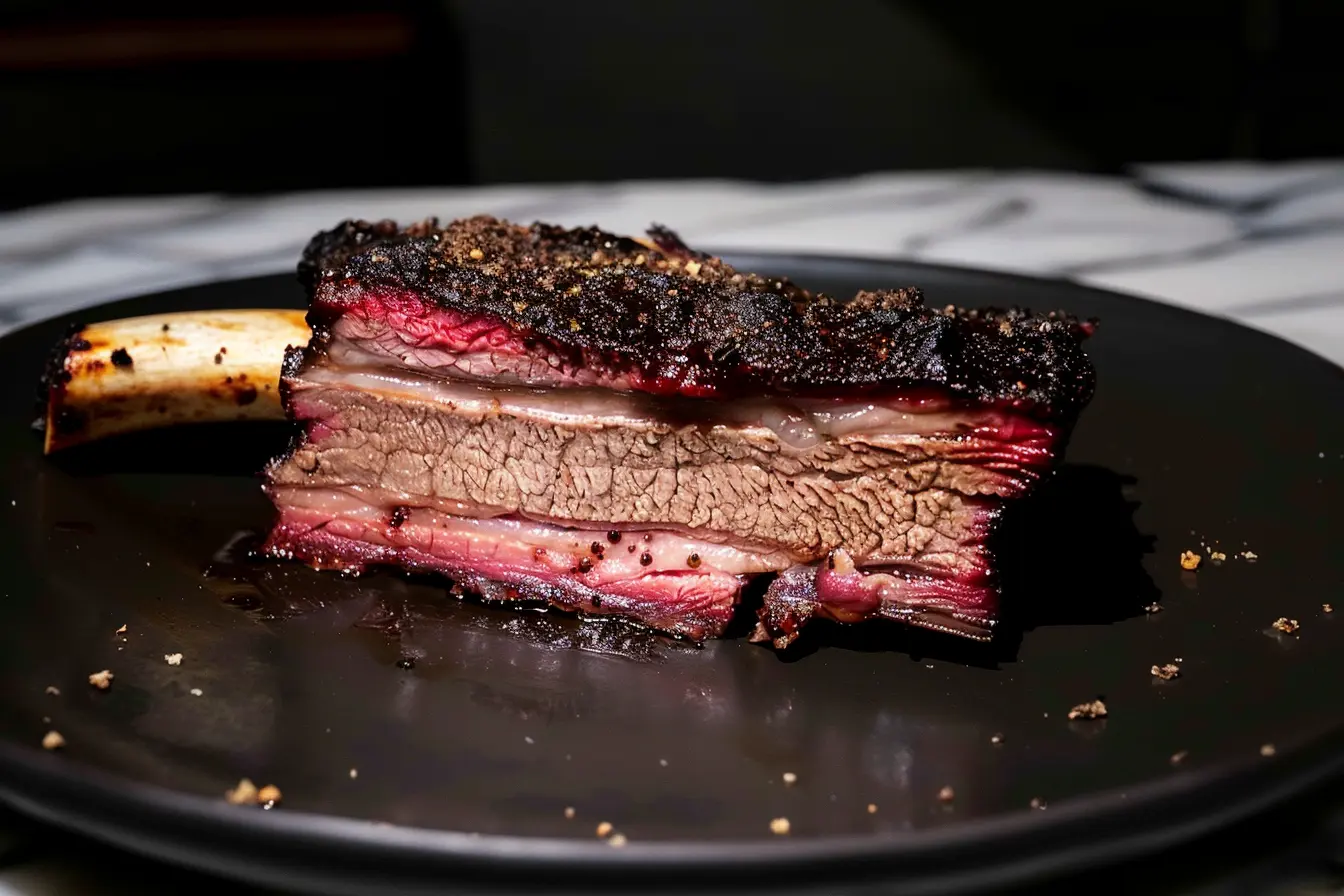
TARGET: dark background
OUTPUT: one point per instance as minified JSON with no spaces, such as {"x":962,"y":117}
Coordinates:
{"x":131,"y":96}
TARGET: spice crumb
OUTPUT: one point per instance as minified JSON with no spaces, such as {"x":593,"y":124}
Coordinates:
{"x":1189,"y":560}
{"x":790,"y":778}
{"x":617,"y":840}
{"x":53,"y":691}
{"x":1167,"y":672}
{"x":173,"y":659}
{"x":1093,"y":710}
{"x":102,"y":680}
{"x":604,"y":828}
{"x":243,"y":794}
{"x":120,"y":631}
{"x":197,"y":692}
{"x":946,"y":795}
{"x":1286,"y":625}
{"x":53,"y":741}
{"x":779,"y":826}
{"x":569,"y":811}
{"x":1179,"y":756}
{"x":268,"y":795}
{"x":1267,"y":750}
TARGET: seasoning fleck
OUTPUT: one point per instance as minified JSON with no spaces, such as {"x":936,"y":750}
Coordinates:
{"x":1286,"y":625}
{"x":121,"y":358}
{"x":1189,"y":560}
{"x":53,"y":741}
{"x":173,"y":659}
{"x":1093,"y":710}
{"x":102,"y":680}
{"x":243,"y":794}
{"x":779,"y":826}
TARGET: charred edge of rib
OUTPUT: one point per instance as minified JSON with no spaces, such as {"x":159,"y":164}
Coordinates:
{"x":55,"y":373}
{"x":606,"y":300}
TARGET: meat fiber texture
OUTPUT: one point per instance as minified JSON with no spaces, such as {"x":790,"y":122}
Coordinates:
{"x":619,"y":426}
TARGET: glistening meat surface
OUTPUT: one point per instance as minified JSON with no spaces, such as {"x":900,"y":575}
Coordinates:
{"x":632,"y":428}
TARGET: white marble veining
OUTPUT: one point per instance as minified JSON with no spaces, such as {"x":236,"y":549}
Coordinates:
{"x":1262,"y":244}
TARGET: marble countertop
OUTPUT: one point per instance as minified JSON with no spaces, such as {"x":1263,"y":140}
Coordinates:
{"x":1262,"y":244}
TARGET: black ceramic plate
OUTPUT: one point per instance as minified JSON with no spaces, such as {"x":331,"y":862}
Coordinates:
{"x":1201,"y":433}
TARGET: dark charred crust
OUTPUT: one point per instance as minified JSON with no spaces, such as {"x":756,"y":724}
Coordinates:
{"x":121,"y":358}
{"x":54,"y":373}
{"x":680,"y":322}
{"x":400,"y":514}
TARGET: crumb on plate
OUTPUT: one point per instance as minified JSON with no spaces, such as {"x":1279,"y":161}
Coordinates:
{"x":1286,"y":625}
{"x":173,"y":659}
{"x":872,"y":808}
{"x":1153,"y":608}
{"x":121,"y":631}
{"x":1092,"y":710}
{"x":245,"y":793}
{"x":779,"y":826}
{"x":996,"y":739}
{"x":197,"y":692}
{"x":617,"y":840}
{"x":1167,"y":671}
{"x":1179,"y":756}
{"x":1267,"y":750}
{"x":268,"y":795}
{"x":53,"y":691}
{"x":102,"y":680}
{"x":53,"y":741}
{"x":1326,"y":608}
{"x":1189,"y":560}
{"x":354,"y":773}
{"x":1037,"y":803}
{"x":569,"y":811}
{"x":790,"y":778}
{"x":946,"y":795}
{"x":604,"y":828}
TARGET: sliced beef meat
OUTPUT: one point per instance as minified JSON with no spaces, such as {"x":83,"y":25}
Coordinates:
{"x":615,"y":426}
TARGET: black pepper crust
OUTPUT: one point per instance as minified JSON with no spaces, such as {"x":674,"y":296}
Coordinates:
{"x":683,"y":322}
